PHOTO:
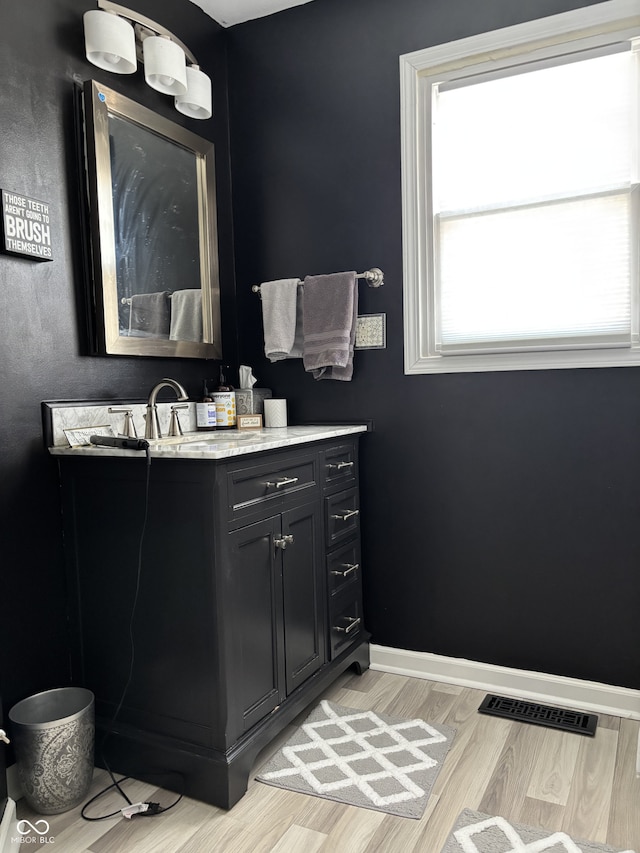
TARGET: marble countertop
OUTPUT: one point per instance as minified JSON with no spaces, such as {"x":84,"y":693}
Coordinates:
{"x":219,"y":445}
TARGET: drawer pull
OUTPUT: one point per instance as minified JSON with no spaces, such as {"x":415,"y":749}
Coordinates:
{"x":340,"y":465}
{"x":353,"y":624}
{"x":283,"y":541}
{"x":346,"y":514}
{"x":3,"y":736}
{"x":349,"y":567}
{"x":284,"y":481}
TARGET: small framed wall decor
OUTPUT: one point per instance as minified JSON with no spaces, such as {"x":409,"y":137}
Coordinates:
{"x":371,"y":331}
{"x":249,"y":422}
{"x":26,"y":226}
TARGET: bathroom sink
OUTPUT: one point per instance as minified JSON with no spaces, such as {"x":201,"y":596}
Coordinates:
{"x":204,"y":438}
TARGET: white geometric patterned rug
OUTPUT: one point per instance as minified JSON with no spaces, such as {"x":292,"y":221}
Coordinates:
{"x":363,"y":759}
{"x":480,"y":833}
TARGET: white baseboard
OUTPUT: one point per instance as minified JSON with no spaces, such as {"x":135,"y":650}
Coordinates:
{"x":588,"y":696}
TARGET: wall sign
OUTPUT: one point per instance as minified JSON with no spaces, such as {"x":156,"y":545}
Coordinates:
{"x":249,"y":422}
{"x":26,"y":226}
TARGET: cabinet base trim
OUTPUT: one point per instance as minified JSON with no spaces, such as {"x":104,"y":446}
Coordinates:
{"x":516,"y":683}
{"x":216,"y":777}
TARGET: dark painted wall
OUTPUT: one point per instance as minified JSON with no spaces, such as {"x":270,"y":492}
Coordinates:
{"x":501,"y":510}
{"x":42,"y":349}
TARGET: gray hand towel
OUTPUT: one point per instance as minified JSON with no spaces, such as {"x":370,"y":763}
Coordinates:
{"x":329,"y":321}
{"x":186,"y":315}
{"x":279,"y":306}
{"x":149,"y":316}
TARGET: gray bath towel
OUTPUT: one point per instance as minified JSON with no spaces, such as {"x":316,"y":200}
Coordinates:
{"x":149,"y":317}
{"x":279,"y":307}
{"x":298,"y":339}
{"x":186,"y":315}
{"x":329,"y":321}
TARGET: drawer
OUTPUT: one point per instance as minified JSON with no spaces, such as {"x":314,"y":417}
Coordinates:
{"x":343,"y":567}
{"x":342,"y":517}
{"x":339,"y":466}
{"x":345,"y":621}
{"x":268,"y":485}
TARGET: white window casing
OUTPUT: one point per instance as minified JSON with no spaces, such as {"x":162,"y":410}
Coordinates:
{"x":452,"y":222}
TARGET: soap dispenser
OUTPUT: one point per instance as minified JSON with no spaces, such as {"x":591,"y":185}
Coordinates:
{"x":206,"y":410}
{"x":225,"y":400}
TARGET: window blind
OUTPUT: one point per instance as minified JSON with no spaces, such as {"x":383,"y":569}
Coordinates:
{"x":532,"y":179}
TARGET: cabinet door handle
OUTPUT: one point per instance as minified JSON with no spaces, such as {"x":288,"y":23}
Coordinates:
{"x":353,"y":624}
{"x":340,"y":465}
{"x":284,"y":481}
{"x":349,"y":567}
{"x":283,"y":541}
{"x":344,"y":514}
{"x":3,"y":736}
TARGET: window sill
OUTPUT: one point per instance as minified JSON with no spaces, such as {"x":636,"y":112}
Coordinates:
{"x":544,"y":360}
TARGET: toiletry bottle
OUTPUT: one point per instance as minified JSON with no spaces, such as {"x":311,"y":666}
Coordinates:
{"x":225,"y":400}
{"x":206,"y":410}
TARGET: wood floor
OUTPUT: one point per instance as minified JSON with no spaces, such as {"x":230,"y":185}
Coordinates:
{"x":539,"y":776}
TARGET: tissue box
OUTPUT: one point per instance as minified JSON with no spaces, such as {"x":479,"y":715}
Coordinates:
{"x":250,"y":401}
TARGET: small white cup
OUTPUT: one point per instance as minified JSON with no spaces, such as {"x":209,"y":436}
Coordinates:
{"x":275,"y":413}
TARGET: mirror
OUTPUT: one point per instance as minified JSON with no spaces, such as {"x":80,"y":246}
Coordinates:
{"x":154,"y":248}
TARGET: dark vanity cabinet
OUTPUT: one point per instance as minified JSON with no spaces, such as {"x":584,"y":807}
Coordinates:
{"x":243,"y":600}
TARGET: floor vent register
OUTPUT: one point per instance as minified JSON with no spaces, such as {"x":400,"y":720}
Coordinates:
{"x":540,"y":715}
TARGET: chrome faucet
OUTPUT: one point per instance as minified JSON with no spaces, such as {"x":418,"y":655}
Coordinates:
{"x":152,"y":425}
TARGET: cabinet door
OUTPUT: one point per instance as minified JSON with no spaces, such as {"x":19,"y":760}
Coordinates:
{"x":304,"y":627}
{"x":255,"y":597}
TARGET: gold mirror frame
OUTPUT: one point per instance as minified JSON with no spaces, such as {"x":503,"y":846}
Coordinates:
{"x":101,"y":105}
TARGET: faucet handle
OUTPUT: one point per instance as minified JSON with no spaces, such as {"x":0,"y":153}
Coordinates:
{"x":129,"y":428}
{"x":174,"y":423}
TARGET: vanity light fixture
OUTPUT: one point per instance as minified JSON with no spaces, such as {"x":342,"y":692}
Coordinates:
{"x":196,"y":102}
{"x":165,"y":67}
{"x":116,"y":38}
{"x":110,"y":42}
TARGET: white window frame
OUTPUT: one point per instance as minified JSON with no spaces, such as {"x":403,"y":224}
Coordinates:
{"x":604,"y":23}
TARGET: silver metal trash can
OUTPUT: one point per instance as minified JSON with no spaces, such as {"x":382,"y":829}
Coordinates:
{"x":53,"y":735}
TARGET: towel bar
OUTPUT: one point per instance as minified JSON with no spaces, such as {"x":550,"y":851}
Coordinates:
{"x":126,"y":300}
{"x":374,"y":278}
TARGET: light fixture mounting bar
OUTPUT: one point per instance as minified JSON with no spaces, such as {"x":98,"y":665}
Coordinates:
{"x":145,"y":26}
